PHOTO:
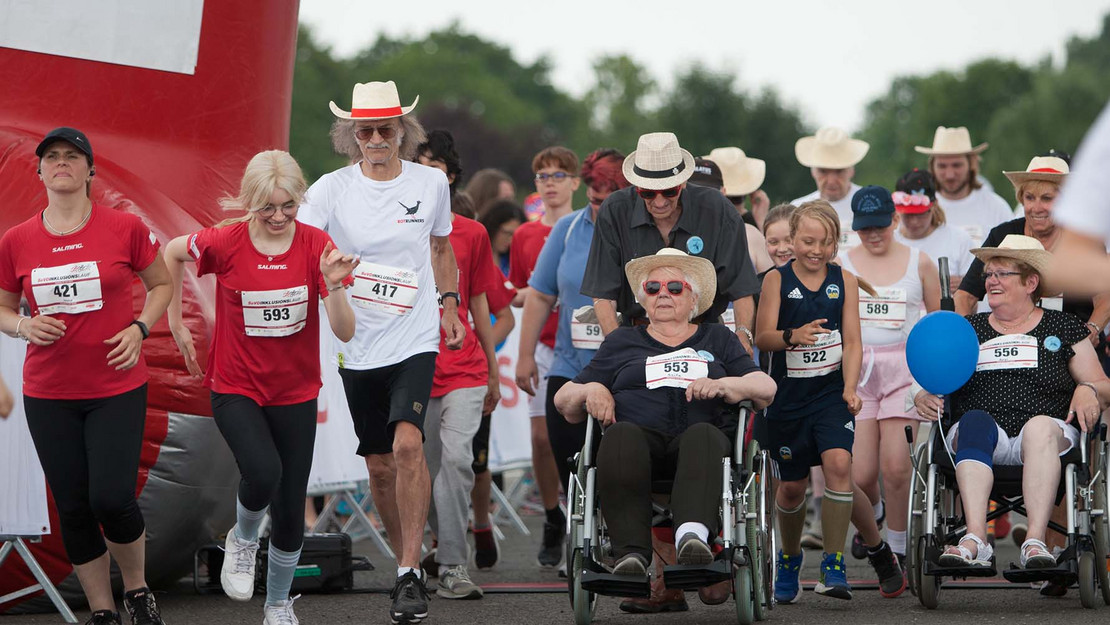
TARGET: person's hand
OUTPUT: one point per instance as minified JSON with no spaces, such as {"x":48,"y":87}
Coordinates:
{"x":128,"y":346}
{"x":6,"y":401}
{"x":761,"y":204}
{"x":855,"y":404}
{"x":336,"y":266}
{"x":453,"y":329}
{"x":705,"y":388}
{"x":527,"y":374}
{"x":184,"y":339}
{"x":1084,"y":407}
{"x":600,"y":404}
{"x":809,"y":334}
{"x":928,"y":405}
{"x":493,"y":393}
{"x":42,"y":330}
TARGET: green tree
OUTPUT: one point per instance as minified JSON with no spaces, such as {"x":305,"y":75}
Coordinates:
{"x":618,"y":102}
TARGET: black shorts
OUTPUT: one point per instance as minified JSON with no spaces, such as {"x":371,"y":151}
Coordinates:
{"x":797,"y":444}
{"x":480,"y":446}
{"x":379,"y":398}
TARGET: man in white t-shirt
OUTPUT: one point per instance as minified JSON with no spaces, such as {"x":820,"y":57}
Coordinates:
{"x":831,"y":156}
{"x":396,"y":215}
{"x":954,"y":164}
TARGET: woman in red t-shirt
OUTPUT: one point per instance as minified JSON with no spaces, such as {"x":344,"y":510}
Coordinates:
{"x":84,"y":377}
{"x":264,"y":361}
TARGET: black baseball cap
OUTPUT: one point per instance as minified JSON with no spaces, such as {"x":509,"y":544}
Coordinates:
{"x":65,"y":133}
{"x":872,"y":208}
{"x":707,"y":174}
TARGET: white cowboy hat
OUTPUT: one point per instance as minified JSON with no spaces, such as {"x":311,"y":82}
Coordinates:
{"x":658,"y":162}
{"x":1047,"y":168}
{"x":699,"y":270}
{"x":1022,"y":249}
{"x":374,"y":100}
{"x":743,"y":174}
{"x":830,"y":148}
{"x":951,"y":142}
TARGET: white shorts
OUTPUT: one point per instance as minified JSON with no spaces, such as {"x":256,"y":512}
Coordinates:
{"x":1008,"y":450}
{"x":537,"y":404}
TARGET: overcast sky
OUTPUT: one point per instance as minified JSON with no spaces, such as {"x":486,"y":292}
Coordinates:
{"x":828,"y":58}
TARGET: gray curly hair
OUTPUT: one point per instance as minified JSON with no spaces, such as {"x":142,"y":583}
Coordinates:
{"x":344,"y":143}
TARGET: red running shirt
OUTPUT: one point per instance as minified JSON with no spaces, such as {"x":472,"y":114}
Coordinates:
{"x":266,"y":343}
{"x":524,"y":251}
{"x":87,"y":280}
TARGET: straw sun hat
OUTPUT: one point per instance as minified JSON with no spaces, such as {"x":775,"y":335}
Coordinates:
{"x":951,"y":142}
{"x":742,"y":173}
{"x":1020,"y":248}
{"x":1046,"y":168}
{"x":699,"y":270}
{"x":658,"y":162}
{"x":374,"y":100}
{"x":830,"y":148}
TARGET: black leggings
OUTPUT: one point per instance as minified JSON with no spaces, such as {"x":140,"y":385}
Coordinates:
{"x":89,"y":451}
{"x":566,"y":438}
{"x":273,"y":447}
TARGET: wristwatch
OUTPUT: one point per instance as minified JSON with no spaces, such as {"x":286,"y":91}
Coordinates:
{"x":786,"y":336}
{"x":450,"y":294}
{"x":142,"y":328}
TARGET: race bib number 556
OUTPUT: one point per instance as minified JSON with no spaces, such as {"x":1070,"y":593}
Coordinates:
{"x":1010,"y":351}
{"x":69,"y":289}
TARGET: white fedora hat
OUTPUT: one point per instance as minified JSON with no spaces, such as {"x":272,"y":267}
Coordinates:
{"x":951,"y":142}
{"x":742,"y":173}
{"x":700,"y":271}
{"x":830,"y":148}
{"x":1047,"y":168}
{"x":1021,"y":248}
{"x":658,"y":162}
{"x":374,"y":100}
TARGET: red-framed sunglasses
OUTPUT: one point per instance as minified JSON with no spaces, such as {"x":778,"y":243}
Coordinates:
{"x":674,"y":287}
{"x":649,"y":194}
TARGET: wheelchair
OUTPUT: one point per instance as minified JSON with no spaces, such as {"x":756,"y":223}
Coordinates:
{"x":747,"y":541}
{"x":936,"y":520}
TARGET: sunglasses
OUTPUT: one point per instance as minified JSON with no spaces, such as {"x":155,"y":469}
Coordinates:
{"x":674,"y":287}
{"x":365,"y":133}
{"x":649,"y":194}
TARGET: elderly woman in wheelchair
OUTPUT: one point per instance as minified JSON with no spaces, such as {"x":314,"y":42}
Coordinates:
{"x":1037,"y":383}
{"x":665,"y":394}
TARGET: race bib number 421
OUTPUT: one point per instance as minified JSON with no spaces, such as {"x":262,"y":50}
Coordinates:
{"x":384,"y":288}
{"x":69,"y":289}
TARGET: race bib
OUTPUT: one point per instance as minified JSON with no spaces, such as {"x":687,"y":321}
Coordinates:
{"x":811,"y":361}
{"x":975,"y":231}
{"x":729,"y":319}
{"x":848,"y":238}
{"x":1052,"y":303}
{"x":279,"y":312}
{"x":887,"y":309}
{"x":72,"y":289}
{"x":585,"y":335}
{"x":1010,"y":351}
{"x":676,"y":369}
{"x":384,"y":288}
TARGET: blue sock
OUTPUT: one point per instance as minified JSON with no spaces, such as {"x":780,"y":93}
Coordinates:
{"x":247,"y":522}
{"x":281,"y":565}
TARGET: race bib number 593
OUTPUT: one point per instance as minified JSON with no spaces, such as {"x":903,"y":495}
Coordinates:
{"x":279,"y":312}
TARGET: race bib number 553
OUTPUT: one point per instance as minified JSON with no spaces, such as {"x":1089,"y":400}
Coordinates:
{"x":676,"y":369}
{"x":69,"y":289}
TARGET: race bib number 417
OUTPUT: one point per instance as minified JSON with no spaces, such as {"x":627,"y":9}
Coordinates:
{"x":384,"y":288}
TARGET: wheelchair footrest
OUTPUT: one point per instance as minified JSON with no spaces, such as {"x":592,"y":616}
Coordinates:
{"x":934,"y":569}
{"x":615,"y":585}
{"x":1024,"y":576}
{"x":691,"y":577}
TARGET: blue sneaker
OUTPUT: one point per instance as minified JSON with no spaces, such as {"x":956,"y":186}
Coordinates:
{"x":833,"y":580}
{"x":787,"y":586}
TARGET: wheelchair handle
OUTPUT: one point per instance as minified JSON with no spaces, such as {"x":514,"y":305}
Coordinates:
{"x":946,"y":301}
{"x":909,"y":434}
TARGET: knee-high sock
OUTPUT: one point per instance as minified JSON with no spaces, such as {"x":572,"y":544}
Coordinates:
{"x":791,"y":524}
{"x":279,"y":574}
{"x":836,"y":515}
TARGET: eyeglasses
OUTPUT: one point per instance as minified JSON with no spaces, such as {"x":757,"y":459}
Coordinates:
{"x":674,"y":287}
{"x":287,"y":208}
{"x":365,"y":133}
{"x":558,"y":176}
{"x":987,"y":275}
{"x":649,"y":194}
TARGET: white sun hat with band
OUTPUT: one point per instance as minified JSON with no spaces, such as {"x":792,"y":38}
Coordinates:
{"x":658,"y":162}
{"x":951,"y":142}
{"x":742,"y":173}
{"x":1046,"y":168}
{"x":374,"y":100}
{"x":1020,"y":248}
{"x":830,"y":148}
{"x":699,"y":270}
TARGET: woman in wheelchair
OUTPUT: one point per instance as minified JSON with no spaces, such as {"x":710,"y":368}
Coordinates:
{"x":663,"y":393}
{"x":1037,"y":379}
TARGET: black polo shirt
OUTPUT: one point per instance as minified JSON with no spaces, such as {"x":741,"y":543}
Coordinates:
{"x":709,"y":226}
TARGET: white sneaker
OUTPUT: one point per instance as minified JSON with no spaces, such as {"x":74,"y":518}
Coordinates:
{"x":282,"y":613}
{"x":237,"y":574}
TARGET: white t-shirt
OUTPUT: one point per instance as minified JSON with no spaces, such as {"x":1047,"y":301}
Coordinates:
{"x":1083,"y":205}
{"x":387,"y":224}
{"x":843,"y":207}
{"x":952,"y":243}
{"x":977,"y":213}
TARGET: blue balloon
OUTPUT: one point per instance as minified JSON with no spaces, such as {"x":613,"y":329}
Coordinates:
{"x":942,"y":352}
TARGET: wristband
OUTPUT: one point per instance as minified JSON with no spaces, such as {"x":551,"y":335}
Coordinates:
{"x":1090,"y":386}
{"x":17,"y":324}
{"x":786,"y":336}
{"x":450,"y":294}
{"x":747,"y":333}
{"x":1097,"y":330}
{"x":333,"y":289}
{"x":142,"y":328}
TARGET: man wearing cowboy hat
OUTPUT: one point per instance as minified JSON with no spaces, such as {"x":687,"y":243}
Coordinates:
{"x":396,"y":215}
{"x":954,"y":164}
{"x":659,"y":210}
{"x":742,"y":176}
{"x":831,"y":156}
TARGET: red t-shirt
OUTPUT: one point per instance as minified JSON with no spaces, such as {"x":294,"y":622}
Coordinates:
{"x":466,"y":367}
{"x":85,"y":279}
{"x":266,"y":343}
{"x":524,"y":251}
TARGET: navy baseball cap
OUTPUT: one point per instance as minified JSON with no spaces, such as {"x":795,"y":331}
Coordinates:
{"x":65,"y":133}
{"x":872,"y":207}
{"x":707,"y":174}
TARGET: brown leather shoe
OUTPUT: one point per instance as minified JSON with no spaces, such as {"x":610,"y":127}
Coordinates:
{"x":666,"y":600}
{"x":715,"y":594}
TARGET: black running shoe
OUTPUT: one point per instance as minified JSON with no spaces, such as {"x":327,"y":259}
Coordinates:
{"x":485,"y":548}
{"x":858,"y":549}
{"x":104,"y":617}
{"x":141,"y":606}
{"x":410,"y":600}
{"x":551,"y":551}
{"x":892,"y":579}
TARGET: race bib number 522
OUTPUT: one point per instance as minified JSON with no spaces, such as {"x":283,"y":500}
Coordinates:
{"x":821,"y":358}
{"x":69,"y":289}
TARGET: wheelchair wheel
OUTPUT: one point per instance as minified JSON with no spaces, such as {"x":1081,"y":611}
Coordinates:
{"x":916,"y":532}
{"x":929,"y":589}
{"x":1087,"y":595}
{"x":742,"y":593}
{"x":582,"y":601}
{"x":1100,"y":526}
{"x":758,"y":529}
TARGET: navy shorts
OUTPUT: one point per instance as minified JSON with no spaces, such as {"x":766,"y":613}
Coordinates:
{"x":379,"y":398}
{"x":797,"y":444}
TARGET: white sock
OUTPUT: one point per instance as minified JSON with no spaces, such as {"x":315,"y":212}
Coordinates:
{"x":401,"y":570}
{"x":878,"y":508}
{"x":897,"y":541}
{"x":698,"y":529}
